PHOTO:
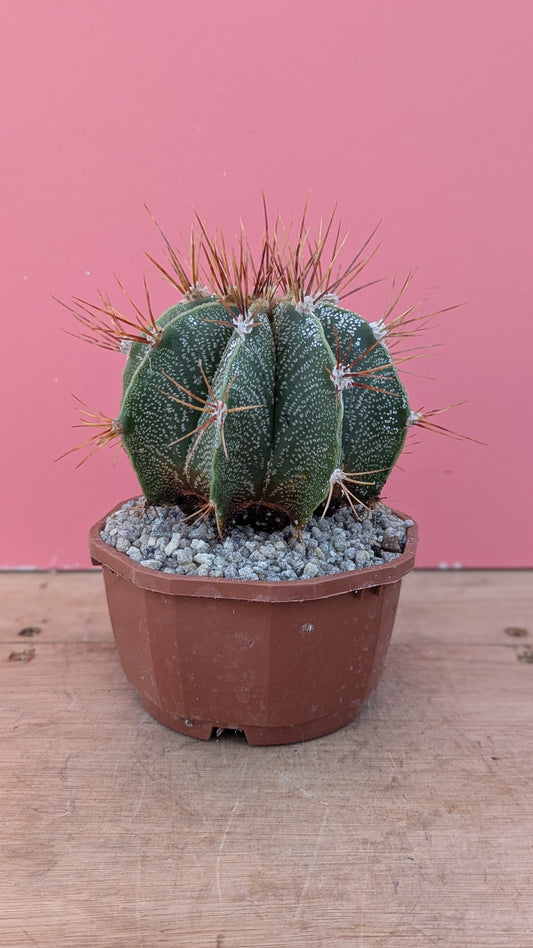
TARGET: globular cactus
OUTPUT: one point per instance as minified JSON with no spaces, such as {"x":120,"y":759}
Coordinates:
{"x":259,"y":391}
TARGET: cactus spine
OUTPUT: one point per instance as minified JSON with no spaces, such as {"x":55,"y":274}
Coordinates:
{"x":259,"y":391}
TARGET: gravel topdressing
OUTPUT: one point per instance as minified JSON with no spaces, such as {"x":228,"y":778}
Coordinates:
{"x":161,"y":539}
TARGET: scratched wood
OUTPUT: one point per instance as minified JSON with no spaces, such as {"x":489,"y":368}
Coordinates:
{"x":411,"y":827}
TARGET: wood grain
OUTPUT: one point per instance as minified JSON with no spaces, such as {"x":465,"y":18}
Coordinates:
{"x":411,"y":827}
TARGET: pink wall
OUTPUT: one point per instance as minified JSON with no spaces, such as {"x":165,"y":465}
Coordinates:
{"x":418,"y":113}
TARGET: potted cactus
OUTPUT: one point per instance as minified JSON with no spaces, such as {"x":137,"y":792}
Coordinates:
{"x":259,"y":399}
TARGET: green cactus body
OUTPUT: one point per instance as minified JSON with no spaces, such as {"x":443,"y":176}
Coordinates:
{"x":270,"y":407}
{"x":306,"y":440}
{"x":151,"y":419}
{"x":228,"y":464}
{"x":376,"y":409}
{"x":259,"y":390}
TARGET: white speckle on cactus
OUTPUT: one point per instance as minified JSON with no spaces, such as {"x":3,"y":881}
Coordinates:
{"x":198,"y":292}
{"x":125,"y":346}
{"x":306,"y":307}
{"x":414,"y":418}
{"x":379,"y":330}
{"x":243,"y":323}
{"x":218,"y":410}
{"x":341,"y":377}
{"x":330,"y":298}
{"x":337,"y":477}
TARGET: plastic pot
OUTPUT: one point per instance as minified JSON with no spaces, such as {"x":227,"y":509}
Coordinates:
{"x":280,"y":661}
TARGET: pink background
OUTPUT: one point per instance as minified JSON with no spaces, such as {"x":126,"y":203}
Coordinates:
{"x":418,"y":113}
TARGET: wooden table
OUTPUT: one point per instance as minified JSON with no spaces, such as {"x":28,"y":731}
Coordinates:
{"x":411,"y":827}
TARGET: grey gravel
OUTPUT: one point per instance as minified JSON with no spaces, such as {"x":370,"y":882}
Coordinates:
{"x":161,"y":539}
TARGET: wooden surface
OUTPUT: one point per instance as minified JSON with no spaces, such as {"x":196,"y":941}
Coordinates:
{"x":411,"y":827}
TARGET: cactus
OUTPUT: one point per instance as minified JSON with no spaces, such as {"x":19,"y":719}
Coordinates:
{"x":260,"y":391}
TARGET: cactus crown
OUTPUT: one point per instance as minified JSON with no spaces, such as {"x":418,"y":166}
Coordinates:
{"x":258,"y":390}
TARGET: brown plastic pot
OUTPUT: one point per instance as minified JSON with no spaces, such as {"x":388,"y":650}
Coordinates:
{"x":280,"y":661}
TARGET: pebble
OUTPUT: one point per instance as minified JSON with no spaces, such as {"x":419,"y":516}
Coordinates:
{"x":391,"y":544}
{"x":172,"y":546}
{"x":151,"y":564}
{"x":161,"y":539}
{"x":183,"y":556}
{"x":133,"y":553}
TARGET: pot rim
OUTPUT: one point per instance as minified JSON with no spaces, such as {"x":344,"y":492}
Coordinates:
{"x":255,"y":590}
